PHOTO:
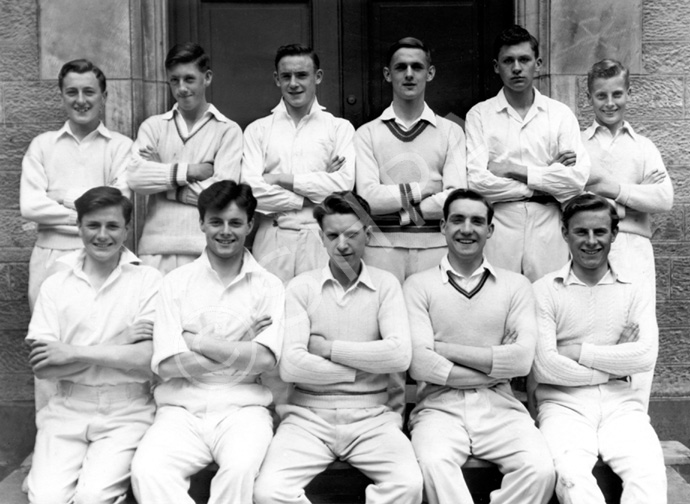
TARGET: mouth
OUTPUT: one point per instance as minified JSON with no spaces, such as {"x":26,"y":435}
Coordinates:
{"x":102,"y":246}
{"x":590,"y":252}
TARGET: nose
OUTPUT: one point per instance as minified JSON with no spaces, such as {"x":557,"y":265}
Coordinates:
{"x":102,"y":232}
{"x":609,"y":101}
{"x":80,"y":97}
{"x":466,"y":227}
{"x":226,"y":228}
{"x":342,"y":243}
{"x":591,"y":240}
{"x":516,"y":67}
{"x":293,"y":80}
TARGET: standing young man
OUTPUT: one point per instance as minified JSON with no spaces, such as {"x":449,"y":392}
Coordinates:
{"x":408,"y":160}
{"x":91,"y":330}
{"x":473,"y":328}
{"x":524,"y":154}
{"x":293,"y":159}
{"x":346,"y":331}
{"x":177,"y":155}
{"x":597,"y":329}
{"x":219,"y":324}
{"x":60,"y":166}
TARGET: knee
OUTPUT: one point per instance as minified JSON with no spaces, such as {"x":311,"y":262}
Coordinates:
{"x":145,"y":467}
{"x":267,"y":490}
{"x":410,"y":486}
{"x":93,"y":495}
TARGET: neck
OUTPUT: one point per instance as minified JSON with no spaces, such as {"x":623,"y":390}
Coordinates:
{"x":81,"y":130}
{"x":227,"y":268}
{"x":192,"y":116}
{"x":97,"y":271}
{"x":613,"y":128}
{"x":522,"y":100}
{"x":345,"y":277}
{"x":465,"y":266}
{"x":296,"y":114}
{"x":590,"y":277}
{"x":408,"y":110}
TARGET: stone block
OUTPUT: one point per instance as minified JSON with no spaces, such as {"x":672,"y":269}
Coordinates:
{"x":586,"y":31}
{"x":33,"y":102}
{"x":19,"y":20}
{"x":673,"y":314}
{"x":671,"y":249}
{"x":672,"y":381}
{"x":105,"y":38}
{"x":118,"y":110}
{"x":17,"y":387}
{"x":14,"y":281}
{"x":669,"y":226}
{"x":666,"y":57}
{"x":12,"y":230}
{"x":670,"y":138}
{"x":18,"y":40}
{"x":18,"y":60}
{"x":674,"y":347}
{"x":14,"y":315}
{"x":663,"y":278}
{"x":680,"y":278}
{"x":15,"y":139}
{"x":680,"y":176}
{"x":14,"y":353}
{"x":665,"y":20}
{"x":9,"y":190}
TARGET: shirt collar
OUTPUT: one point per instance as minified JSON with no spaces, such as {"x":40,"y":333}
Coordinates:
{"x":364,"y":277}
{"x":595,"y":127}
{"x":568,"y":277}
{"x":211,"y":110}
{"x":249,"y":264}
{"x":281,"y":108}
{"x":100,"y":129}
{"x":502,"y":101}
{"x":428,"y":115}
{"x":446,"y":268}
{"x":76,"y":262}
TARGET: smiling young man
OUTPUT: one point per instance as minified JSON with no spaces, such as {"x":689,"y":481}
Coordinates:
{"x":473,"y":328}
{"x":177,"y":155}
{"x":597,"y":328}
{"x":346,"y":331}
{"x":60,"y":166}
{"x":408,"y":160}
{"x":219,"y":324}
{"x":293,"y":159}
{"x":524,"y":154}
{"x":92,"y":330}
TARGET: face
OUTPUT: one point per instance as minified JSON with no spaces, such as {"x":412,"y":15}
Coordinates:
{"x":103,"y":232}
{"x":226,"y":231}
{"x":467,"y":228}
{"x":188,"y":85}
{"x":409,"y":72}
{"x":589,"y":238}
{"x":609,"y":98}
{"x":297,"y":80}
{"x":345,"y":238}
{"x":83,"y":99}
{"x":517,"y":66}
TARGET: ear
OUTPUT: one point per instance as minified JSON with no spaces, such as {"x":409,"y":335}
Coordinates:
{"x":105,"y":95}
{"x":431,"y":73}
{"x":322,"y":236}
{"x":250,"y":224}
{"x":442,"y":226}
{"x":537,"y":64}
{"x":496,"y":70}
{"x":614,"y":233}
{"x":589,"y":97}
{"x":275,"y":79}
{"x":490,"y":230}
{"x":128,"y":229}
{"x":319,"y":76}
{"x":367,"y":234}
{"x":564,"y":232}
{"x":208,"y":77}
{"x":387,"y":74}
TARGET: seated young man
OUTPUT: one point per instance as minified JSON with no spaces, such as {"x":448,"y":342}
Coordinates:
{"x":597,"y":329}
{"x":91,"y":329}
{"x":473,"y":328}
{"x":346,"y":332}
{"x":219,"y":323}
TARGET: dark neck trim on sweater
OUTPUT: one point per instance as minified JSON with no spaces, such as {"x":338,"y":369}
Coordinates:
{"x":471,"y":293}
{"x":409,"y":135}
{"x":185,"y":140}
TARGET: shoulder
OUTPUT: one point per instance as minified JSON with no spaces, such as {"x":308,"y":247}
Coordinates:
{"x":559,"y":107}
{"x":44,"y":140}
{"x":367,"y":127}
{"x":55,"y":283}
{"x":306,"y":283}
{"x":259,"y":124}
{"x":181,"y":275}
{"x":545,"y":284}
{"x":383,"y":279}
{"x":429,"y":279}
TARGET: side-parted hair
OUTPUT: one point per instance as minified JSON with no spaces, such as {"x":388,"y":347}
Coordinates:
{"x":588,"y":202}
{"x":297,"y":50}
{"x":469,"y":194}
{"x":82,"y":66}
{"x":97,"y":198}
{"x":188,"y":52}
{"x":607,"y":69}
{"x":515,"y":35}
{"x":345,"y":202}
{"x":410,"y":43}
{"x":220,"y":194}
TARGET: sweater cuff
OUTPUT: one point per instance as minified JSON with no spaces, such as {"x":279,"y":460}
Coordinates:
{"x":340,"y":355}
{"x":504,"y":363}
{"x":404,"y":217}
{"x":623,"y":194}
{"x":72,"y":218}
{"x":587,"y":354}
{"x":180,"y":174}
{"x":416,"y":193}
{"x":70,"y":197}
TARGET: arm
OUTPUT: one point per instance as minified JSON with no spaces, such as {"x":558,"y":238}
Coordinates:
{"x":317,"y":185}
{"x":34,"y":202}
{"x":454,"y":173}
{"x":298,"y":364}
{"x":270,"y":198}
{"x":655,"y":192}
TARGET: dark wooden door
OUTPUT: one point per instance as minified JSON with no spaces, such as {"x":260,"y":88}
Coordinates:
{"x":351,"y":38}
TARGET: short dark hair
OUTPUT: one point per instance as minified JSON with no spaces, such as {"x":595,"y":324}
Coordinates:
{"x":410,"y":43}
{"x":515,"y":35}
{"x":469,"y":194}
{"x":188,"y":52}
{"x":81,"y":66}
{"x":103,"y":197}
{"x":345,"y":202}
{"x":607,"y":69}
{"x":220,"y":194}
{"x":589,"y":202}
{"x":297,"y":50}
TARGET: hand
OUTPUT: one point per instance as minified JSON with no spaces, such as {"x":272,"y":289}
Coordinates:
{"x":318,"y":345}
{"x":272,"y":178}
{"x":57,"y":195}
{"x":50,"y":353}
{"x":571,"y":351}
{"x":138,"y":331}
{"x":509,"y":337}
{"x":199,"y":171}
{"x":191,"y":340}
{"x":258,"y":326}
{"x":432,"y":187}
{"x":630,"y":334}
{"x":150,"y":154}
{"x":566,"y":158}
{"x":508,"y":170}
{"x":654,"y":177}
{"x":335,"y":164}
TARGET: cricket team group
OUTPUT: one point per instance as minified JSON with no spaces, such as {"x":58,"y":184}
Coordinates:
{"x":519,"y":246}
